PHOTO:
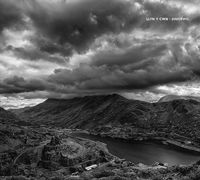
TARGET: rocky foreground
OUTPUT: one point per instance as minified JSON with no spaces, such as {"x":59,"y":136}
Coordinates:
{"x":47,"y":153}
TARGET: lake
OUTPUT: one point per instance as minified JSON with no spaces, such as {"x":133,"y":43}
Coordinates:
{"x":144,"y":152}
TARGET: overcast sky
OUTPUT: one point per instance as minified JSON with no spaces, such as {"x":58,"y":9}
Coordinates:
{"x":67,"y":48}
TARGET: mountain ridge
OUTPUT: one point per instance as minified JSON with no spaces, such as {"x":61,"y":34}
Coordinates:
{"x":176,"y":97}
{"x":92,"y":111}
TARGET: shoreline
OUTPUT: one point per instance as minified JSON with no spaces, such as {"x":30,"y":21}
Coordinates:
{"x":161,"y":140}
{"x":183,"y":146}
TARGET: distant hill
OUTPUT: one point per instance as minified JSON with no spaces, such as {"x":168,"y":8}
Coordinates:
{"x":175,"y":97}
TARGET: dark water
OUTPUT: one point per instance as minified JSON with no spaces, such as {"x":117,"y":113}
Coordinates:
{"x":145,"y":152}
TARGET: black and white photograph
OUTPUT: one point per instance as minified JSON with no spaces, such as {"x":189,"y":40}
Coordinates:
{"x":99,"y":89}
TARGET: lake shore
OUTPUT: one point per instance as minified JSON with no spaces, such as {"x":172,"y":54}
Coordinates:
{"x":181,"y":145}
{"x":168,"y":142}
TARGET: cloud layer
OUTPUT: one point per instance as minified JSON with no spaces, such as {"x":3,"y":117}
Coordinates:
{"x":66,"y":48}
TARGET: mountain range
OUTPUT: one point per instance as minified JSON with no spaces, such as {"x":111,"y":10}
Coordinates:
{"x":177,"y":116}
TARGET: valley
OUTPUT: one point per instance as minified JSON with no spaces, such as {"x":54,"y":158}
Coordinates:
{"x":39,"y":143}
{"x":117,"y":117}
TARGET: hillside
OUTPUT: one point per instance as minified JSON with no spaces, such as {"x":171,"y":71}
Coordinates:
{"x":86,"y":112}
{"x":7,"y":117}
{"x":178,"y":116}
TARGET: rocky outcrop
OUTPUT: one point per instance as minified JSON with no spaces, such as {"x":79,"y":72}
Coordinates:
{"x":69,"y":153}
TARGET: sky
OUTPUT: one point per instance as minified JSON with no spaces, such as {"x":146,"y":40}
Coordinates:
{"x":69,"y":48}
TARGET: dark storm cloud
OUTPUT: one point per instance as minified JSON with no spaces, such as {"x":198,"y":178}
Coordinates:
{"x":152,"y":63}
{"x":132,"y":55}
{"x":51,"y":46}
{"x":96,"y":46}
{"x":64,"y":26}
{"x":34,"y":54}
{"x":10,"y":14}
{"x":17,"y":84}
{"x":157,"y":9}
{"x":78,"y":23}
{"x":118,"y":78}
{"x":196,"y":20}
